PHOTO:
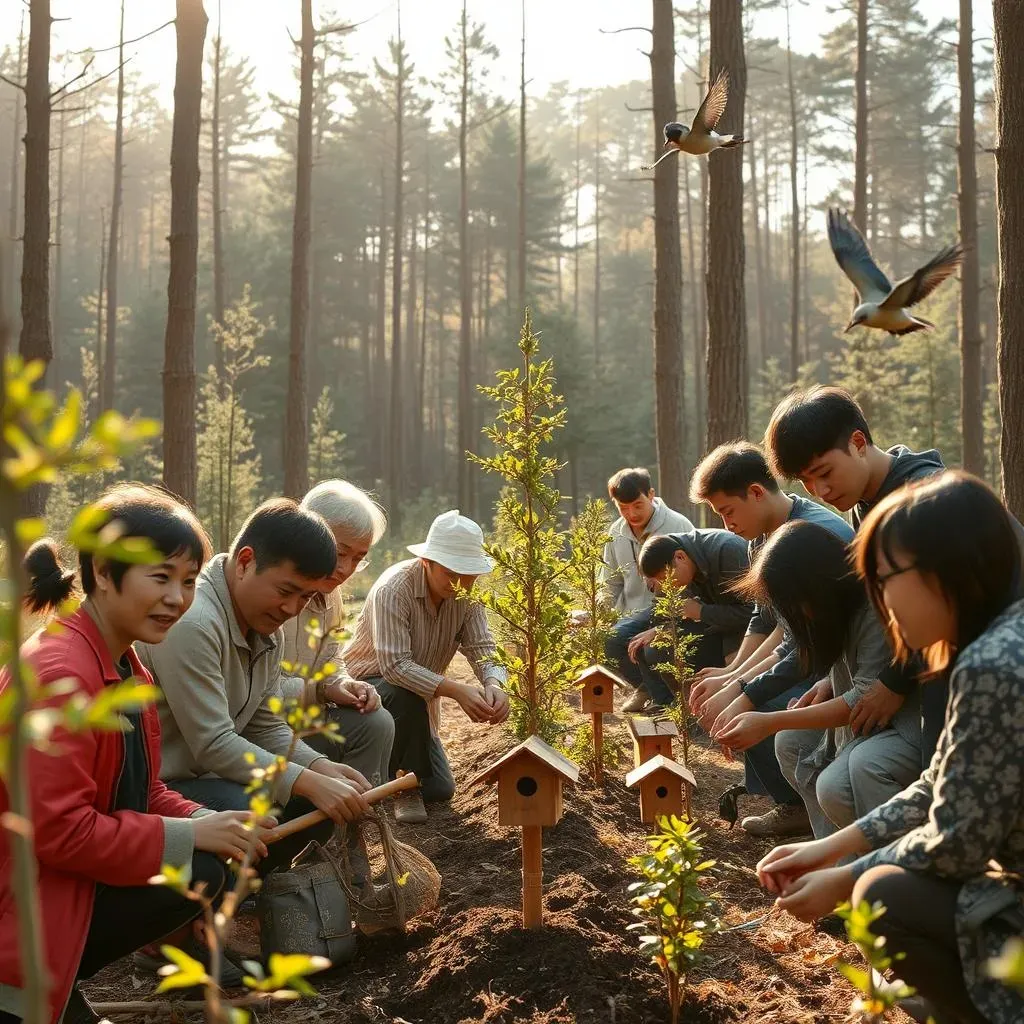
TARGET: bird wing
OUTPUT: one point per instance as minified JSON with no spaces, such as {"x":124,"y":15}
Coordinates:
{"x":713,"y":106}
{"x":926,"y":279}
{"x":854,"y":258}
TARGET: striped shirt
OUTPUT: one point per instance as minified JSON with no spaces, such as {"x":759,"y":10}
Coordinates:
{"x":403,"y":638}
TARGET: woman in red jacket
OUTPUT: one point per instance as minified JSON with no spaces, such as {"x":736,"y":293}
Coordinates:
{"x":104,"y":823}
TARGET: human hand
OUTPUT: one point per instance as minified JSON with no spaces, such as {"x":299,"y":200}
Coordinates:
{"x":875,"y":709}
{"x":340,"y":799}
{"x":691,"y":609}
{"x":640,"y":641}
{"x":497,"y":698}
{"x":778,"y":870}
{"x":740,"y":704}
{"x":705,"y":689}
{"x":745,"y":730}
{"x":225,"y":835}
{"x":352,"y":693}
{"x":336,"y":770}
{"x":474,"y":703}
{"x":820,"y":692}
{"x":817,"y":893}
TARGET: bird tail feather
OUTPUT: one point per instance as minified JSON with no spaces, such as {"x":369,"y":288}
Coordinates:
{"x":733,"y":140}
{"x":919,"y":324}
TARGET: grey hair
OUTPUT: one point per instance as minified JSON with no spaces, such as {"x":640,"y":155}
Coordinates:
{"x":347,"y":508}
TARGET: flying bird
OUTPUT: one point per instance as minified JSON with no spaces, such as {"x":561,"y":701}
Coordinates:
{"x":701,"y":138}
{"x":879,"y":303}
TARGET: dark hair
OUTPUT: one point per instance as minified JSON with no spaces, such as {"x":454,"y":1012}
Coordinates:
{"x":50,"y":583}
{"x":629,"y":484}
{"x":731,"y":469}
{"x":954,"y":527}
{"x":280,"y":530}
{"x":657,"y":554}
{"x":808,"y":423}
{"x":803,"y":573}
{"x":130,"y":510}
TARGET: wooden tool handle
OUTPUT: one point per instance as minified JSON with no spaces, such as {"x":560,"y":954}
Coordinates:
{"x":372,"y":796}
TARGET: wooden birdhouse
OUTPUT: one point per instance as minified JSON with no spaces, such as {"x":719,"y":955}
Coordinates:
{"x":665,"y":788}
{"x":651,"y":737}
{"x":530,"y":779}
{"x":597,"y":690}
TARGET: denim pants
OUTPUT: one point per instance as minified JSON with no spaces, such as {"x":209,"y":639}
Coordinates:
{"x":762,"y":774}
{"x":645,"y":672}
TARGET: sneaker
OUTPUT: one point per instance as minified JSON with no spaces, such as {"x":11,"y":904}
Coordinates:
{"x":149,"y":960}
{"x":410,"y":808}
{"x":637,"y":702}
{"x":783,"y":821}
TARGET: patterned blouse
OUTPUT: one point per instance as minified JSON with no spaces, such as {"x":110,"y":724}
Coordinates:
{"x":964,"y":818}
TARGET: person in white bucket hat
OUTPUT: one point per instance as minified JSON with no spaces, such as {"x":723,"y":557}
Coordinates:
{"x":409,"y":630}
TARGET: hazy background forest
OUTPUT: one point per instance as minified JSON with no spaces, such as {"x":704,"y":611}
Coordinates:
{"x":385,"y":343}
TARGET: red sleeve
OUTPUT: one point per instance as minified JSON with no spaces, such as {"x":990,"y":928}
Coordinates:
{"x":162,"y":800}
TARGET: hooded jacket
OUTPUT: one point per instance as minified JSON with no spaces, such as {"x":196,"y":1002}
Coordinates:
{"x":721,"y":559}
{"x":625,"y":587}
{"x":907,"y":466}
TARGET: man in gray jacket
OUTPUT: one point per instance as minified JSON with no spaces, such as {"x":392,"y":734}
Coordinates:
{"x":220,"y":672}
{"x":641,"y":515}
{"x":706,"y":563}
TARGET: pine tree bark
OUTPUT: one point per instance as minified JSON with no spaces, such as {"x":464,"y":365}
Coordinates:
{"x":522,"y":167}
{"x":398,"y":369}
{"x":971,"y":401}
{"x":11,"y":267}
{"x":35,"y":342}
{"x":860,"y":159}
{"x":380,"y":352}
{"x":57,"y":322}
{"x":1008,"y":28}
{"x":179,"y":376}
{"x":465,"y":390}
{"x":669,"y":367}
{"x":758,"y":254}
{"x":113,"y":252}
{"x":576,"y":219}
{"x":219,"y":288}
{"x":794,"y":199}
{"x":597,"y":232}
{"x":296,"y":436}
{"x":727,"y":321}
{"x":96,"y":405}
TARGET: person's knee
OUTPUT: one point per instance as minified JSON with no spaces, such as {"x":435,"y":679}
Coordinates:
{"x":789,"y":746}
{"x":886,"y":884}
{"x":616,"y":644}
{"x":211,"y":872}
{"x":835,"y":795}
{"x":437,"y":789}
{"x":401,"y":703}
{"x":379,"y":726}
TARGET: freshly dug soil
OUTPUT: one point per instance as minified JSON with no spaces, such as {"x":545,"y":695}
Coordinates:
{"x":470,"y":961}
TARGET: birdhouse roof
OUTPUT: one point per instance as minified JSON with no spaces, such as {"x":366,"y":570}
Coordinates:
{"x":536,"y":749}
{"x":640,"y":726}
{"x":660,"y":763}
{"x":597,"y":673}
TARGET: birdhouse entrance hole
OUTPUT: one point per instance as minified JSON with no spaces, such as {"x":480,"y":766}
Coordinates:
{"x":662,"y":792}
{"x":526,"y":786}
{"x":598,"y":690}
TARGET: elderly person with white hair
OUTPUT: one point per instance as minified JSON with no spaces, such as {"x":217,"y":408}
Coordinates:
{"x":312,"y":639}
{"x":415,"y":618}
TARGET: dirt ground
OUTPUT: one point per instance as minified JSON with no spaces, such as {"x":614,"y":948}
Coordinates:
{"x":469,"y":960}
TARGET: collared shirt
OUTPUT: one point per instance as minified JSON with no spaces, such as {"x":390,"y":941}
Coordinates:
{"x":401,"y":636}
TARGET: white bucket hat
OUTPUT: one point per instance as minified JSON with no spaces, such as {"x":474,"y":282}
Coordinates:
{"x":457,"y":543}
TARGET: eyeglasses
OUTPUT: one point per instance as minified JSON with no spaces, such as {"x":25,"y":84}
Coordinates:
{"x":882,"y":578}
{"x":363,"y":563}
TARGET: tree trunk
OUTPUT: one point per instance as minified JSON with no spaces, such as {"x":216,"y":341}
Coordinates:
{"x":860,"y":159}
{"x":179,"y":377}
{"x":669,"y":368}
{"x":58,"y":240}
{"x":16,"y":143}
{"x":971,"y":405}
{"x":597,"y":233}
{"x":465,"y":439}
{"x":398,"y":369}
{"x":380,"y":351}
{"x":696,"y":317}
{"x":410,"y":424}
{"x":296,"y":436}
{"x":113,"y":254}
{"x":758,"y":254}
{"x":96,"y":406}
{"x":794,"y":199}
{"x":727,"y":321}
{"x":576,"y":220}
{"x":219,"y":290}
{"x":421,"y":384}
{"x":522,"y":167}
{"x":1009,"y":88}
{"x":35,"y":340}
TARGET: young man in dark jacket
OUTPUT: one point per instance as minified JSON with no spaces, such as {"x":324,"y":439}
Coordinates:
{"x":706,"y":563}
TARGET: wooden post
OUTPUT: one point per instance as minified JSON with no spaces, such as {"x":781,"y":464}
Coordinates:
{"x":598,"y":744}
{"x":533,"y":869}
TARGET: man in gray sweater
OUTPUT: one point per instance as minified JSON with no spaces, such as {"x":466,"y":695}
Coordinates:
{"x":220,"y":671}
{"x":641,"y":515}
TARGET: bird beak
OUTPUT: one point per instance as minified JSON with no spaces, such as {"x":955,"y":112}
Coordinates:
{"x":849,"y":327}
{"x":668,"y":142}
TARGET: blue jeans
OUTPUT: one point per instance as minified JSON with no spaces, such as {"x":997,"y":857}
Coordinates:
{"x":646,"y":672}
{"x":761,"y":772}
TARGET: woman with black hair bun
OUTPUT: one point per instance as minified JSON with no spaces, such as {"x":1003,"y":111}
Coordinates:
{"x":103,"y":822}
{"x":946,"y":855}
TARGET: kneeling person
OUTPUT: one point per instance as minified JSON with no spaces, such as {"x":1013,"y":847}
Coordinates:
{"x":410,"y":627}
